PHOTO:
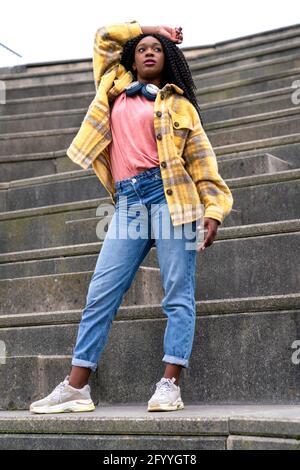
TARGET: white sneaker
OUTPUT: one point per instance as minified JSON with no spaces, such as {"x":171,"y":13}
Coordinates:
{"x":166,"y":397}
{"x":64,"y":398}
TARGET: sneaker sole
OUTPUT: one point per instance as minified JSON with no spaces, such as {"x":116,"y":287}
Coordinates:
{"x":165,"y":407}
{"x":68,"y":407}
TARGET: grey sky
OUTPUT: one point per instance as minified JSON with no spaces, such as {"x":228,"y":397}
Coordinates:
{"x":64,"y":29}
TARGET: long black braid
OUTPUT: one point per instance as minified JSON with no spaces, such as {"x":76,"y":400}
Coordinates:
{"x":176,"y":69}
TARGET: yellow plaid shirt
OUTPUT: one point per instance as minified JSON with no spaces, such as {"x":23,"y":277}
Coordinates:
{"x":193,"y":187}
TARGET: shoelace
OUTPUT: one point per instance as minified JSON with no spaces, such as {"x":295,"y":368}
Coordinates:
{"x":56,"y":394}
{"x":164,"y":386}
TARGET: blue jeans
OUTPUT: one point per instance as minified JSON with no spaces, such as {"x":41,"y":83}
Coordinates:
{"x":141,"y":199}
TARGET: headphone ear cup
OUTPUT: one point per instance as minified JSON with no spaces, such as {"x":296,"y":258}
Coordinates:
{"x":149,"y":96}
{"x":133,"y":88}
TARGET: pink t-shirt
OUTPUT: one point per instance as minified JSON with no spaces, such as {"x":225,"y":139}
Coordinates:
{"x":133,"y":148}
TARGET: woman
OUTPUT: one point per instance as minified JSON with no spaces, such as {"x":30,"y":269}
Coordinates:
{"x":148,"y":148}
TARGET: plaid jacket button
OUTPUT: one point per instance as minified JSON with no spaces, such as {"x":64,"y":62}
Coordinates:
{"x":176,"y":124}
{"x":158,"y":114}
{"x":159,"y":136}
{"x":162,"y":96}
{"x":163,"y":165}
{"x":169,"y":191}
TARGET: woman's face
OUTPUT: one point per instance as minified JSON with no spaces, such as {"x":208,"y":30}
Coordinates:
{"x":149,"y":49}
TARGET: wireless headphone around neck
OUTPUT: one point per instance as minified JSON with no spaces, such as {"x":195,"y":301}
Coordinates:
{"x":149,"y":90}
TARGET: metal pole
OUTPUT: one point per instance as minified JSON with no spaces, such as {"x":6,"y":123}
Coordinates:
{"x":10,"y":50}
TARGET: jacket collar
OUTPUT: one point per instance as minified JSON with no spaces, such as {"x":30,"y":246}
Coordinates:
{"x":168,"y":88}
{"x":121,"y":83}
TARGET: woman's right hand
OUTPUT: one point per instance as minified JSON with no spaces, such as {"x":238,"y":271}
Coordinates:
{"x":174,"y":34}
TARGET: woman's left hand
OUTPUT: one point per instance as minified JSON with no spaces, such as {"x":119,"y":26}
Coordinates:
{"x":212,"y":228}
{"x":173,"y":34}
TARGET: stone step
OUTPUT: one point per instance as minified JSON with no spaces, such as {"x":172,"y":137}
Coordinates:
{"x":255,"y":200}
{"x":250,"y":44}
{"x":261,"y":126}
{"x":36,"y":141}
{"x":241,"y":59}
{"x":21,"y":81}
{"x":57,"y":66}
{"x":253,"y":427}
{"x":14,"y":167}
{"x":83,"y":255}
{"x":226,"y":109}
{"x":248,"y":267}
{"x":53,"y":120}
{"x":64,"y":291}
{"x":73,"y":87}
{"x":42,"y":190}
{"x":46,"y":103}
{"x":60,"y":84}
{"x":61,"y":224}
{"x":43,"y":226}
{"x":276,"y":123}
{"x":209,"y":308}
{"x":45,"y":120}
{"x":58,"y":260}
{"x":209,"y":75}
{"x":248,"y":105}
{"x":275,"y":53}
{"x":132,"y":427}
{"x":63,"y":187}
{"x":286,"y":147}
{"x":240,"y":88}
{"x":246,"y":166}
{"x":264,"y":369}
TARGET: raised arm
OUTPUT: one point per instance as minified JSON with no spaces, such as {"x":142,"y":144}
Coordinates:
{"x":89,"y":141}
{"x":108,"y":45}
{"x":109,"y":41}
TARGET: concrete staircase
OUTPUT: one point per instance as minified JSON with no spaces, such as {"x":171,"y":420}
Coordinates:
{"x":242,"y":390}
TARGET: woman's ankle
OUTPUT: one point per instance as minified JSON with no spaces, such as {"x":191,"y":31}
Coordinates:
{"x":79,"y":377}
{"x":77,"y":385}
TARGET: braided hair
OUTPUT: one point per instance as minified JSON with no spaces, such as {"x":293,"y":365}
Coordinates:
{"x":176,"y":69}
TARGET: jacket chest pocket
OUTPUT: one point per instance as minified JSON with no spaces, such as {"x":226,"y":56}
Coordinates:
{"x":180,"y":127}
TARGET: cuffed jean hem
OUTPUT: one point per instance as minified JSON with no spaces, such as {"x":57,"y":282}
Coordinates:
{"x":82,"y":363}
{"x":176,"y":360}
